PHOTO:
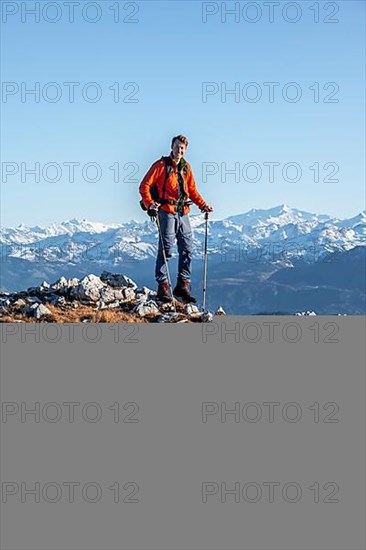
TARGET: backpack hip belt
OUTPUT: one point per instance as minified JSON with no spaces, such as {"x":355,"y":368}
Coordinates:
{"x":173,"y":202}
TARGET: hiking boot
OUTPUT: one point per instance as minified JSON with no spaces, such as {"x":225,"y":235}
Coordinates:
{"x":163,"y":293}
{"x":182,"y":291}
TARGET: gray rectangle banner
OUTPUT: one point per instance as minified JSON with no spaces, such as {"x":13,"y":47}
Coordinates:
{"x":243,"y":433}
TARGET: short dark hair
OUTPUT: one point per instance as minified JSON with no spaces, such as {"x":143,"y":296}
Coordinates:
{"x":181,"y":138}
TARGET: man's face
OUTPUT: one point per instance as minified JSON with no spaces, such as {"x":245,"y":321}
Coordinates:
{"x":178,"y":149}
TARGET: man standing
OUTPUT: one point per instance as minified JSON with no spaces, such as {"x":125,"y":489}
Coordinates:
{"x":167,"y":190}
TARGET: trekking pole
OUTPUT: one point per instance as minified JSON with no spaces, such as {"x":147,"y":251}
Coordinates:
{"x":165,"y":259}
{"x":205,"y":264}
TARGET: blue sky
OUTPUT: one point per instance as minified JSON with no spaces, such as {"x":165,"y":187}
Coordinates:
{"x":169,"y":53}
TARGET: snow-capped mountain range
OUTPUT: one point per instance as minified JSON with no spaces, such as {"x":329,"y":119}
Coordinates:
{"x":280,"y":234}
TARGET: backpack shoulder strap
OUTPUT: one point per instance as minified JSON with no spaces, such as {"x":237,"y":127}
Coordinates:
{"x":168,"y":164}
{"x":169,"y":168}
{"x":185,"y":167}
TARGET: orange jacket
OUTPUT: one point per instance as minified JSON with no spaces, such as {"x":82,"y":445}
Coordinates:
{"x":156,"y":175}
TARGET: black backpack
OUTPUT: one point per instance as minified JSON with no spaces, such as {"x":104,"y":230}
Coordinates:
{"x":154,"y":188}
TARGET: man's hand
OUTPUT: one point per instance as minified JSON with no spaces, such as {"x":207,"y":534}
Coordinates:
{"x":207,"y":208}
{"x":153,"y":209}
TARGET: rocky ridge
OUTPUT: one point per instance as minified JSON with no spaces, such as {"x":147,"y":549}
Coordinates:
{"x":112,"y":297}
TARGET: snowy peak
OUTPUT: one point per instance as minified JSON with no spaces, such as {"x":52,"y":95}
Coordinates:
{"x":273,"y":228}
{"x":356,"y":220}
{"x":77,"y":226}
{"x":279,"y":215}
{"x":26,"y":234}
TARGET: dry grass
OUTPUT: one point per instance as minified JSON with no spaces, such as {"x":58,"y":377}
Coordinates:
{"x":67,"y":314}
{"x":93,"y":315}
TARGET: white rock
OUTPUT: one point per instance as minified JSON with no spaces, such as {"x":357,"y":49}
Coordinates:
{"x":114,"y":305}
{"x":121,"y":293}
{"x":191,"y":309}
{"x":102,"y":305}
{"x":41,"y":310}
{"x":207,"y":317}
{"x":107,"y":295}
{"x":145,"y":291}
{"x":88,"y":290}
{"x":145,"y":308}
{"x":37,"y":310}
{"x":141,"y":298}
{"x":20,"y":303}
{"x":128,"y":294}
{"x":60,"y":283}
